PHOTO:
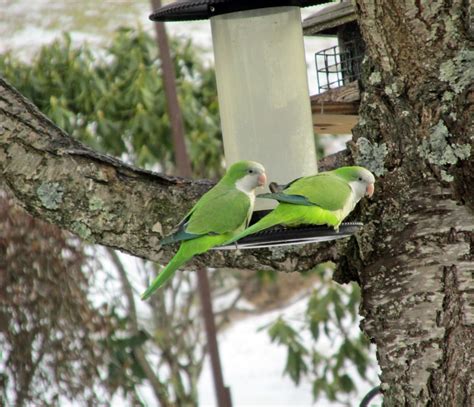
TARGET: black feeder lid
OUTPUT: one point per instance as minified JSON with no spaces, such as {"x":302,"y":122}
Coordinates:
{"x":282,"y":236}
{"x":184,"y":10}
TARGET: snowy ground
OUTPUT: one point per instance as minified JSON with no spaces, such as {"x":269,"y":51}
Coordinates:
{"x":253,"y":366}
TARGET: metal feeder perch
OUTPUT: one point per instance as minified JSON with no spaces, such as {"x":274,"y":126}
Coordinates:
{"x":263,"y":96}
{"x":282,"y":236}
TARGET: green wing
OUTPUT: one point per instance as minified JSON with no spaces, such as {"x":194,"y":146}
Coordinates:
{"x":324,"y":190}
{"x":220,"y":210}
{"x":283,"y":197}
{"x":180,"y":234}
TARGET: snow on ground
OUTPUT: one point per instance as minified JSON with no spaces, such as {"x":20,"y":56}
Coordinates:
{"x":253,"y":366}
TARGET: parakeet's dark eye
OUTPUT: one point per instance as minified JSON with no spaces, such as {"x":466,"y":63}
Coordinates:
{"x":360,"y":178}
{"x":251,"y":171}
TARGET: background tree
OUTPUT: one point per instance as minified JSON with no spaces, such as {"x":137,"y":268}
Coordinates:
{"x":115,"y":103}
{"x":337,"y":357}
{"x":44,"y":271}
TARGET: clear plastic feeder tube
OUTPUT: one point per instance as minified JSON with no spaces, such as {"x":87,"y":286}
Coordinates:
{"x":263,"y":91}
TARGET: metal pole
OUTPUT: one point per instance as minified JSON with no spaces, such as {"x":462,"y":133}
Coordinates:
{"x":183,"y":164}
{"x":222,"y":392}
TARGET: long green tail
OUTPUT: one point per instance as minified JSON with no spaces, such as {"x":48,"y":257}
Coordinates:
{"x":181,"y":257}
{"x":187,"y":250}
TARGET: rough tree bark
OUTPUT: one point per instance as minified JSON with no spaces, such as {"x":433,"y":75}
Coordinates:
{"x":414,"y":257}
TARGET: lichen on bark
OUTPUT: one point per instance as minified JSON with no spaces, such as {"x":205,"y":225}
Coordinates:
{"x":50,"y":194}
{"x":371,"y":155}
{"x":416,"y":277}
{"x":438,"y":150}
{"x":459,"y":70}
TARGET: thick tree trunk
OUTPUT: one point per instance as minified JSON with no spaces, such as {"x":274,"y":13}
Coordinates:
{"x":415,"y":256}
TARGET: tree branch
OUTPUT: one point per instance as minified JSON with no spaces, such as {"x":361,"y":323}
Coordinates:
{"x":105,"y":201}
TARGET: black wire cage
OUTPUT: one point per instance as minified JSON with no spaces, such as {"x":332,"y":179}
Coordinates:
{"x":337,"y":66}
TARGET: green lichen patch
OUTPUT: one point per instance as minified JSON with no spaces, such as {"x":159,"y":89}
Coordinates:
{"x":446,"y":101}
{"x":459,"y":71}
{"x":375,"y":78}
{"x":50,"y":194}
{"x":81,"y":230}
{"x":395,"y":89}
{"x":95,"y":204}
{"x":446,"y":177}
{"x":280,"y":252}
{"x":437,"y":149}
{"x":371,"y":155}
{"x":447,"y":97}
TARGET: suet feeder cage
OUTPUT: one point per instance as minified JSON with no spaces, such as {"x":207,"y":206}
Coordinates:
{"x":263,"y":92}
{"x":336,"y":105}
{"x":339,"y":65}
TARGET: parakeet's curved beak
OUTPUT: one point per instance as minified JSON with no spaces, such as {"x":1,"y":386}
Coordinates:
{"x":370,"y":190}
{"x":262,"y":180}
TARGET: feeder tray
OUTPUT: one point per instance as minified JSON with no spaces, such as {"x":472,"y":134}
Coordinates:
{"x":282,"y":236}
{"x":185,"y":10}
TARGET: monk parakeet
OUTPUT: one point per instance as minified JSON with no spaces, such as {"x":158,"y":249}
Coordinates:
{"x":221,"y":213}
{"x":323,"y":199}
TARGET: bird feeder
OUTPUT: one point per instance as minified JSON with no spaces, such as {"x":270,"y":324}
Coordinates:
{"x":263,"y":91}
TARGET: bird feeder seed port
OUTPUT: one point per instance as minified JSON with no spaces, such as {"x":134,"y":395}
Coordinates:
{"x":263,"y":95}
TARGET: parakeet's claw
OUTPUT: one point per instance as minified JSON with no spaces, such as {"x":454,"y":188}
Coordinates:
{"x":274,"y":187}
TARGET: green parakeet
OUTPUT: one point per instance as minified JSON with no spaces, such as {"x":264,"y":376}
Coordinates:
{"x":323,"y":199}
{"x":221,"y":213}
